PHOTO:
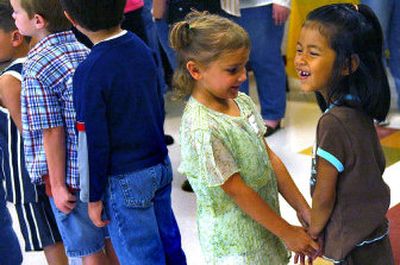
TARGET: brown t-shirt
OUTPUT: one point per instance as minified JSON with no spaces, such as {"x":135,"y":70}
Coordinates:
{"x":347,"y":138}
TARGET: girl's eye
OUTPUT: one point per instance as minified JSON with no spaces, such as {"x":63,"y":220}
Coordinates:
{"x":314,"y":54}
{"x":232,"y":70}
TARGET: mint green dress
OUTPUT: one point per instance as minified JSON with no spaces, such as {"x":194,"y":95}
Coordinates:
{"x":214,"y":146}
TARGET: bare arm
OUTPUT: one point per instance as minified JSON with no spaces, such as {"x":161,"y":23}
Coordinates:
{"x":160,"y":8}
{"x":54,"y":145}
{"x":295,"y":238}
{"x":280,"y":14}
{"x":95,"y":210}
{"x":10,"y":97}
{"x":288,"y":188}
{"x":324,"y":197}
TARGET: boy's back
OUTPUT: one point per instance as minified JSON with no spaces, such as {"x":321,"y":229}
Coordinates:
{"x":127,"y":93}
{"x":46,"y":100}
{"x":121,"y":141}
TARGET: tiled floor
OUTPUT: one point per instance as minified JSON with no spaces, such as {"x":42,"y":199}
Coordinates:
{"x":297,"y":135}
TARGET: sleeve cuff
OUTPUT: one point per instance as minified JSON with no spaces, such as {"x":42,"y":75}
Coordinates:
{"x":331,"y":159}
{"x":285,"y":3}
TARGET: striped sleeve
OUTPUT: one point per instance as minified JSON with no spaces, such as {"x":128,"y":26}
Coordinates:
{"x":332,"y":141}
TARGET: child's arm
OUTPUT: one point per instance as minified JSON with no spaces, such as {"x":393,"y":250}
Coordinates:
{"x":10,"y":97}
{"x":295,"y":238}
{"x":288,"y":188}
{"x":324,"y":196}
{"x":159,"y":8}
{"x":54,"y":146}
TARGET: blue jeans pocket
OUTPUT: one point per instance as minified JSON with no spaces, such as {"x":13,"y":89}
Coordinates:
{"x":59,"y":214}
{"x":138,"y":188}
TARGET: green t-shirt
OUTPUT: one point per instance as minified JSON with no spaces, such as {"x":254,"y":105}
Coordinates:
{"x":215,"y":146}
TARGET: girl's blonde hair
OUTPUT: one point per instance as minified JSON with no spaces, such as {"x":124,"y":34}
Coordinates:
{"x":203,"y":38}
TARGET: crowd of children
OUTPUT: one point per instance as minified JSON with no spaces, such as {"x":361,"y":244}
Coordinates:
{"x":92,"y":179}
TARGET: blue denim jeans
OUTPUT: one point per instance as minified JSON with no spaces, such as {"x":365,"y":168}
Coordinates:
{"x":388,"y":12}
{"x":265,"y":60}
{"x":152,"y":41}
{"x":10,"y":251}
{"x":142,"y":225}
{"x":162,"y":32}
{"x":80,"y":236}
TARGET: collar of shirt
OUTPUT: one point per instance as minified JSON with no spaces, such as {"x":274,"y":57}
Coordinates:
{"x":123,"y":32}
{"x":347,"y":97}
{"x":52,"y":39}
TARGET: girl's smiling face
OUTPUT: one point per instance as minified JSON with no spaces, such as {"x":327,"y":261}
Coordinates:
{"x":314,"y":59}
{"x":221,"y":79}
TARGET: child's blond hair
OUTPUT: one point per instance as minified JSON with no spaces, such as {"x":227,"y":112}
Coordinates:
{"x":50,"y":10}
{"x":203,"y":38}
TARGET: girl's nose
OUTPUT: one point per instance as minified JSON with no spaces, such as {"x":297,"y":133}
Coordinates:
{"x":243,"y":75}
{"x":299,"y":60}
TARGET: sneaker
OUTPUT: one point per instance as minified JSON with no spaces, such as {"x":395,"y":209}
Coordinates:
{"x":271,"y":130}
{"x":383,"y":123}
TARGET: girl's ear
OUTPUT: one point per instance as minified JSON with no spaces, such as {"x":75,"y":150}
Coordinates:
{"x":16,"y":38}
{"x":194,"y":70}
{"x":352,"y":67}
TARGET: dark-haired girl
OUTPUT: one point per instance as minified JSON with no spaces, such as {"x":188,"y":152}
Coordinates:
{"x":339,"y":55}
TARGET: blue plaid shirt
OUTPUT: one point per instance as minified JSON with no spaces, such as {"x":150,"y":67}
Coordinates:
{"x":46,"y":101}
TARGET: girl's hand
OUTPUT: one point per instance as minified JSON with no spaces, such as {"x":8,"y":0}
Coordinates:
{"x":304,"y":217}
{"x":302,"y":258}
{"x":297,"y":240}
{"x":320,"y":240}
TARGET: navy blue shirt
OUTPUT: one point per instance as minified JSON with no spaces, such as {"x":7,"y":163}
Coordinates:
{"x":118,"y":97}
{"x":12,"y":163}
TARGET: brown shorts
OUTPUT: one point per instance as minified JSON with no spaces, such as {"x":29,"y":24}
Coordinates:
{"x":377,"y":253}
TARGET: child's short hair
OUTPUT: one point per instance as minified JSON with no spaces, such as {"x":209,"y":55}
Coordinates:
{"x":353,"y":31}
{"x":203,"y":38}
{"x":95,"y":15}
{"x":51,"y":11}
{"x":7,"y":22}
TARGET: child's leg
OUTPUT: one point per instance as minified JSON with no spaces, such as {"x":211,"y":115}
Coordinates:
{"x":39,"y":229}
{"x":168,"y":228}
{"x":10,"y":252}
{"x":55,"y":254}
{"x":80,"y":236}
{"x":379,"y":252}
{"x":98,"y":258}
{"x":131,"y":201}
{"x":110,"y":252}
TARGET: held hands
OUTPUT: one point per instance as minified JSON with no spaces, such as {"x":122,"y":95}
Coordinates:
{"x":280,"y":14}
{"x":299,"y":257}
{"x":297,"y":240}
{"x":95,"y":210}
{"x":304,"y":217}
{"x":63,"y":199}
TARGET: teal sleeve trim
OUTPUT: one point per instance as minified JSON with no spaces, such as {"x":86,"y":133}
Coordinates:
{"x":331,"y":159}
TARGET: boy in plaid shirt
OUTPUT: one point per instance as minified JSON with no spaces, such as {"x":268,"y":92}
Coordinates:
{"x":48,"y":122}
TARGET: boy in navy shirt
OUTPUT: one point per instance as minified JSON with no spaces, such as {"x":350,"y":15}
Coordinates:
{"x":120,"y":113}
